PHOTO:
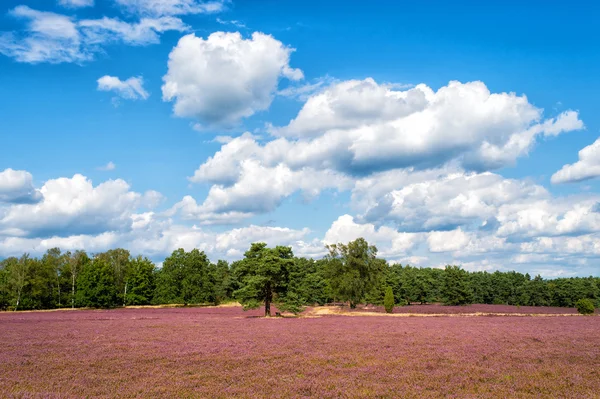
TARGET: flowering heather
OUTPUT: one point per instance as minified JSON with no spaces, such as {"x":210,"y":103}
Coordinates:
{"x":470,"y":309}
{"x":224,"y":352}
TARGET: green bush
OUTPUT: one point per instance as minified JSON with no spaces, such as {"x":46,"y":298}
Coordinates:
{"x":585,"y":306}
{"x":388,"y":300}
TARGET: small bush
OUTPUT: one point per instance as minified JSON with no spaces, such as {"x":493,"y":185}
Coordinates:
{"x":388,"y":300}
{"x":585,"y":306}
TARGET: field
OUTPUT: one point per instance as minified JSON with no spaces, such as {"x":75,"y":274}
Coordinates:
{"x":225,"y":352}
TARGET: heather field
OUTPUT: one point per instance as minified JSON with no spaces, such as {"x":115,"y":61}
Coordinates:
{"x":225,"y":352}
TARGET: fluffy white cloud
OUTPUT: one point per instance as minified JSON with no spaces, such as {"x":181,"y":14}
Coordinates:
{"x":588,"y":166}
{"x":159,"y":8}
{"x":447,"y":201}
{"x":16,"y":186}
{"x":73,"y":206}
{"x":361,"y":127}
{"x":76,"y":3}
{"x":358,"y":128}
{"x":224,"y":78}
{"x":390,"y":243}
{"x":447,"y":241}
{"x":551,"y":217}
{"x":257,"y":189}
{"x":131,"y":89}
{"x":57,"y":38}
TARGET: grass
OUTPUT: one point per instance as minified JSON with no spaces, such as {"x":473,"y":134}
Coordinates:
{"x":224,"y":352}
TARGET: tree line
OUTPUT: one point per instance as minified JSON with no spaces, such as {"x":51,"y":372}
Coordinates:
{"x":351,"y":273}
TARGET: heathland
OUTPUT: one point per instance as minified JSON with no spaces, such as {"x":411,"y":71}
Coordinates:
{"x":224,"y":352}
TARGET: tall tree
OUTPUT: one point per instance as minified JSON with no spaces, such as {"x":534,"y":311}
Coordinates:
{"x":120,"y":261}
{"x":353,"y":270}
{"x":17,"y":270}
{"x":186,"y":277}
{"x":141,"y":283}
{"x":456,"y":289}
{"x":96,"y":286}
{"x":75,"y":262}
{"x":263,"y":276}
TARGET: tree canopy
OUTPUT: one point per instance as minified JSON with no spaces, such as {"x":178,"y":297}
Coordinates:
{"x":350,"y":273}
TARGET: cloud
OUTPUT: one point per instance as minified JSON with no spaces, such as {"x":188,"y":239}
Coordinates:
{"x":130,"y":89}
{"x":390,"y":243}
{"x":144,"y":32}
{"x":588,"y":166}
{"x":16,"y":187}
{"x":439,"y":201}
{"x":49,"y":37}
{"x":108,"y":167}
{"x":73,"y":206}
{"x":158,"y":8}
{"x":447,"y":241}
{"x":258,"y":189}
{"x":56,"y":38}
{"x":76,"y":3}
{"x":157,"y":238}
{"x":359,"y":128}
{"x":303,"y":92}
{"x":224,"y":78}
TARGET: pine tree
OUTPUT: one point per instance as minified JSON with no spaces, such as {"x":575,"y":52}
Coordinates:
{"x":388,"y":300}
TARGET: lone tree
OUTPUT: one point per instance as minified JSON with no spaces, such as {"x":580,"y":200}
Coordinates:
{"x":263,"y":277}
{"x":388,"y":300}
{"x":353,"y":270}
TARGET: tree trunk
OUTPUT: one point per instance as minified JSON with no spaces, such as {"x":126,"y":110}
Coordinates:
{"x":125,"y":294}
{"x":73,"y":291}
{"x":268,"y":299}
{"x":58,"y":286}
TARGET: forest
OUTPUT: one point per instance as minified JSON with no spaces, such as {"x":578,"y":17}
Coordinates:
{"x":351,"y":274}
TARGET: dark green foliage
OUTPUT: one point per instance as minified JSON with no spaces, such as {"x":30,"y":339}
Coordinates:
{"x":97,"y":285}
{"x":585,"y":306}
{"x":140,"y":282}
{"x":388,"y":301}
{"x":222,"y":281}
{"x":457,"y":289}
{"x":263,"y":277}
{"x":187,"y":278}
{"x":353,"y":270}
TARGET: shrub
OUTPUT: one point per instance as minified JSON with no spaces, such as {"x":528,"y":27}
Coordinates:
{"x":585,"y":306}
{"x":388,"y":300}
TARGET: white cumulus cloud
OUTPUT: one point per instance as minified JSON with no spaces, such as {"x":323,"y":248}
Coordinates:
{"x":588,"y":166}
{"x":16,"y":186}
{"x":224,"y":78}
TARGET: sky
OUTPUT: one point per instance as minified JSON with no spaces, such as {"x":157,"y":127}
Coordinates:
{"x":443,"y":132}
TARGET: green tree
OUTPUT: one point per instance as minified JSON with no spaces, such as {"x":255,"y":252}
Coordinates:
{"x":140,"y":282}
{"x":186,"y":277}
{"x":456,"y":289}
{"x":353,"y":270}
{"x":388,"y":301}
{"x":120,"y":261}
{"x":263,"y":277}
{"x":17,"y":271}
{"x":96,"y":285}
{"x":585,"y":306}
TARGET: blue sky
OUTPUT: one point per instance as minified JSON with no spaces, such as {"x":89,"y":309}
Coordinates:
{"x":443,"y":133}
